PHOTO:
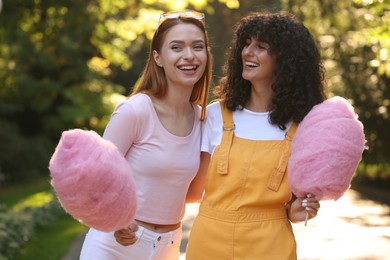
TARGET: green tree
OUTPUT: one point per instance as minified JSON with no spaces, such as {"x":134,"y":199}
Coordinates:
{"x":354,"y":37}
{"x":65,"y":64}
{"x":46,"y":83}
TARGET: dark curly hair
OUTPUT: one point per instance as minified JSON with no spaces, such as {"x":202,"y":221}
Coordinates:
{"x":299,"y":71}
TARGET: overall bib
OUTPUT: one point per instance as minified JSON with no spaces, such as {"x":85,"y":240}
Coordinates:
{"x":242,"y":215}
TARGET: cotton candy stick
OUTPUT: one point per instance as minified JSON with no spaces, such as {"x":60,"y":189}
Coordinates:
{"x":306,"y":218}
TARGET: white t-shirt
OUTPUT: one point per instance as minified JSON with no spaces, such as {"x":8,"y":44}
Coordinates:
{"x":163,"y":164}
{"x":248,"y":125}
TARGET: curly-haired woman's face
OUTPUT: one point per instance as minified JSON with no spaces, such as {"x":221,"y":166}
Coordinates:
{"x":258,"y":64}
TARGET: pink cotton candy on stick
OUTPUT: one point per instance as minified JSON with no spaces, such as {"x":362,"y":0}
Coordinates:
{"x":93,"y":181}
{"x":326,"y":150}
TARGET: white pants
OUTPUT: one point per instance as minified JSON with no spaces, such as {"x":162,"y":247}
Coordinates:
{"x":149,"y":246}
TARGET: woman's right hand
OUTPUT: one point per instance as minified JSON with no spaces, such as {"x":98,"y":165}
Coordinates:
{"x":300,"y":207}
{"x":126,"y":236}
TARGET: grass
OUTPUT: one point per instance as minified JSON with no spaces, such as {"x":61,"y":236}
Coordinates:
{"x":10,"y":195}
{"x":51,"y":242}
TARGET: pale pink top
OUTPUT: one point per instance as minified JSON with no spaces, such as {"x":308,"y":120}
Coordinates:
{"x":163,"y":164}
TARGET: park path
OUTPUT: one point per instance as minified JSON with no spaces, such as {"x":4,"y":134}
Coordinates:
{"x":351,"y":228}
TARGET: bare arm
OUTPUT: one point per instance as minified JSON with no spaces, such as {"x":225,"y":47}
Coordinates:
{"x":197,"y":185}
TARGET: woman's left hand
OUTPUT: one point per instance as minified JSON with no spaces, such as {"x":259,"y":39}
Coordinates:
{"x":301,"y":206}
{"x":126,"y":236}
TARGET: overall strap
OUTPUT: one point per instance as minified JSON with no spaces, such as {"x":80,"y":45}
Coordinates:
{"x":227,"y":138}
{"x":291,"y":132}
{"x":277,"y":176}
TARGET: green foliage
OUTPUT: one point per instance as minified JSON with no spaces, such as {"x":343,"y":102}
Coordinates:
{"x":46,"y":84}
{"x":62,"y":66}
{"x":64,"y":63}
{"x":52,"y":238}
{"x":354,"y":38}
{"x":20,"y":153}
{"x":52,"y":241}
{"x":18,"y":225}
{"x":11,"y":195}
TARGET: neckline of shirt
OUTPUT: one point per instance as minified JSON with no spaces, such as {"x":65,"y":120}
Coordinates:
{"x":161,"y":126}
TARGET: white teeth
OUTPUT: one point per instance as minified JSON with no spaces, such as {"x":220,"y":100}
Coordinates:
{"x":187,"y":67}
{"x":251,"y":64}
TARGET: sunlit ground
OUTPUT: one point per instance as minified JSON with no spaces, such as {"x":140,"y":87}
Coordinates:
{"x":351,"y":228}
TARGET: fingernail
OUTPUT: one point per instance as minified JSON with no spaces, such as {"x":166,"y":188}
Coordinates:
{"x":304,"y":203}
{"x":309,"y":195}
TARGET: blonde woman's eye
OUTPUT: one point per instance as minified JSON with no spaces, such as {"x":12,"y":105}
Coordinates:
{"x":176,"y":48}
{"x":199,"y":47}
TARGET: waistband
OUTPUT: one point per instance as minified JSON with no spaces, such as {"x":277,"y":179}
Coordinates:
{"x":168,"y":238}
{"x":262,"y":214}
{"x":157,"y":227}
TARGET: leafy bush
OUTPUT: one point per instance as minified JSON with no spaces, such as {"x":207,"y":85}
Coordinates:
{"x":18,"y":225}
{"x":34,"y":152}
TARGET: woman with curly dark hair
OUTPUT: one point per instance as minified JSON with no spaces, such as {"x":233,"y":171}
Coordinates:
{"x":274,"y":76}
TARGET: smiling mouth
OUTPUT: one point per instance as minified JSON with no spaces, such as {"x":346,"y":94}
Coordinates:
{"x":251,"y":64}
{"x":188,"y":68}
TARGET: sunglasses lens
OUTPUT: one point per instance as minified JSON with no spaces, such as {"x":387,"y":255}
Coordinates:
{"x":183,"y":14}
{"x":193,"y":14}
{"x":170,"y":15}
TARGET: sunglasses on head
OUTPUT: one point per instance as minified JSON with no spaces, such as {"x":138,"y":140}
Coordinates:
{"x":181,"y":14}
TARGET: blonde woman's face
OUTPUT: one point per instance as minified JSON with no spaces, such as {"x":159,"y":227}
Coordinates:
{"x":183,"y":55}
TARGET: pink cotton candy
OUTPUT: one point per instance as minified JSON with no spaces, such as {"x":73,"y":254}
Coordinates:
{"x":326,"y":150}
{"x":93,"y":181}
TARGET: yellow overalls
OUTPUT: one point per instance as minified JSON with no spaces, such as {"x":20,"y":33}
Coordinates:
{"x":242,"y":215}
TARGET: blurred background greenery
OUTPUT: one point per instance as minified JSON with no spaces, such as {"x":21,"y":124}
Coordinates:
{"x":66,"y":64}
